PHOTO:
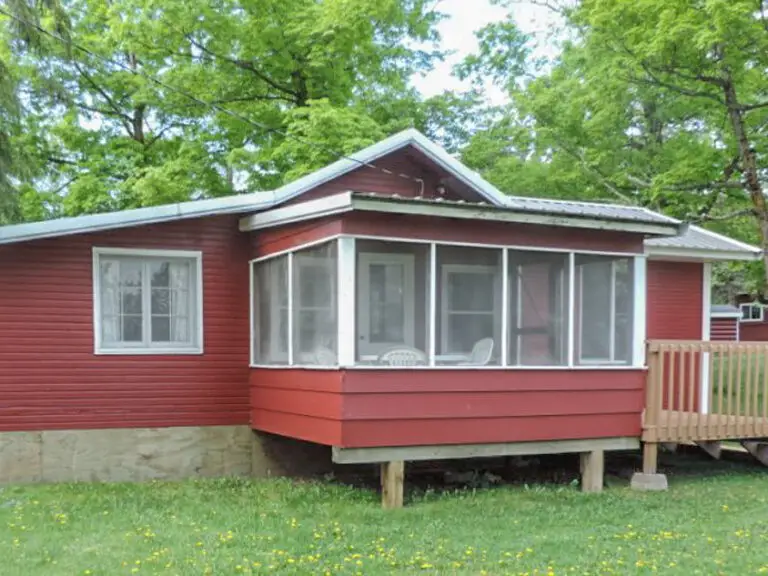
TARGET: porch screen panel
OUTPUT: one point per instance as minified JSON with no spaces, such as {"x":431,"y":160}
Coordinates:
{"x":469,"y":318}
{"x":315,"y":305}
{"x":392,"y":303}
{"x":270,"y":306}
{"x":604,"y":304}
{"x":538,"y":308}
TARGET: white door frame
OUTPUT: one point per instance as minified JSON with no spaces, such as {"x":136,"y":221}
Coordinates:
{"x":408,"y":262}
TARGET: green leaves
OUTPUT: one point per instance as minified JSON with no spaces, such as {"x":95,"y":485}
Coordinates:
{"x":333,"y":73}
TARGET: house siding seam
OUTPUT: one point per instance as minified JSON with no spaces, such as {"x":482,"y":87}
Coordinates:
{"x":50,"y":377}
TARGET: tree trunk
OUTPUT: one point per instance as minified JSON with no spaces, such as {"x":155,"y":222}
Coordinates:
{"x":749,"y":165}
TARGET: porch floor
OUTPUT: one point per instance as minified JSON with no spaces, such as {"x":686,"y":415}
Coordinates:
{"x":682,"y":426}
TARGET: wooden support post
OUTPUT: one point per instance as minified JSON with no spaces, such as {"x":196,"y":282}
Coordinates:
{"x":650,"y":457}
{"x":392,"y":477}
{"x":592,"y":467}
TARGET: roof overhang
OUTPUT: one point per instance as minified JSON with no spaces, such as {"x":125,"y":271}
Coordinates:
{"x":695,"y":255}
{"x":733,"y":315}
{"x":349,"y":201}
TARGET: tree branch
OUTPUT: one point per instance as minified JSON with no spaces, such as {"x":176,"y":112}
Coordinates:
{"x":118,"y":112}
{"x":729,"y":216}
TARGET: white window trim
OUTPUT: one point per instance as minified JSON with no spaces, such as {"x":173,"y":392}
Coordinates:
{"x":751,"y":305}
{"x":611,"y":359}
{"x":195,"y":255}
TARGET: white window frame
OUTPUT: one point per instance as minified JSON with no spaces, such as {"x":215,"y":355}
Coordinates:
{"x":301,"y":262}
{"x":408,"y":262}
{"x":752,"y":305}
{"x":147,"y":347}
{"x":478,"y":269}
{"x":348,"y":279}
{"x":611,"y":359}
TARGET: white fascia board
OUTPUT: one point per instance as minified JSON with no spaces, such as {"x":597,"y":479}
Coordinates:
{"x":135,"y":217}
{"x":310,"y":210}
{"x":734,"y":315}
{"x":686,"y":254}
{"x":491,"y":214}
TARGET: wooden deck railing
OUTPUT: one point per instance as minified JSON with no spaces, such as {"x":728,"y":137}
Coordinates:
{"x":699,"y":391}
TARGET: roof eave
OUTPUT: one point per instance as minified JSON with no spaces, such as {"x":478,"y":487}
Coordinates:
{"x":699,"y":255}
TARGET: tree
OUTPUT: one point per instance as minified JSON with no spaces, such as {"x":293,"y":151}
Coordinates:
{"x":663,"y":103}
{"x":180,"y":99}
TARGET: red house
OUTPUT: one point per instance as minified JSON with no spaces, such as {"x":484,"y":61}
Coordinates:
{"x":393,"y":306}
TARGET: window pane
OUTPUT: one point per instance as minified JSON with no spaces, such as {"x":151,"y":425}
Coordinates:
{"x":314,"y":305}
{"x":468,"y":305}
{"x":161,"y":329}
{"x":392,"y":299}
{"x":130,"y":273}
{"x":131,"y":299}
{"x":270,"y":293}
{"x":131,"y":331}
{"x":538,"y":308}
{"x":159,"y":274}
{"x":387,"y":303}
{"x":161,"y":301}
{"x":604,"y":315}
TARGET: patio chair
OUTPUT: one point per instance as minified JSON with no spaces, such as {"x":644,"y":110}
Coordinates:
{"x":481,"y":353}
{"x":403,"y":356}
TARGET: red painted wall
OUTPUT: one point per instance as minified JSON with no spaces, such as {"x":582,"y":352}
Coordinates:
{"x":675,"y":307}
{"x":49,"y":375}
{"x":753,"y":331}
{"x":363,"y":408}
{"x":724,"y":329}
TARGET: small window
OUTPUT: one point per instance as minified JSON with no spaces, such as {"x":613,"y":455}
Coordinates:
{"x":751,"y":312}
{"x":147,"y":302}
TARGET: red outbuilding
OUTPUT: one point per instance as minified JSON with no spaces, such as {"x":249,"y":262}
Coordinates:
{"x":392,"y":306}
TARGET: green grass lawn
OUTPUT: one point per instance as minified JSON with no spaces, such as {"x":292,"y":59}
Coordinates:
{"x":705,"y":524}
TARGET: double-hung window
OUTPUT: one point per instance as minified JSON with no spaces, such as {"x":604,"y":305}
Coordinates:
{"x":147,"y":301}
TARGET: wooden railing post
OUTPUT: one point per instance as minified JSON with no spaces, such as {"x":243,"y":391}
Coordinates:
{"x":653,"y":395}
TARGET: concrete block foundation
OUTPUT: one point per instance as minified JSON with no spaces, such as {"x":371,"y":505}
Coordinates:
{"x":137,"y":454}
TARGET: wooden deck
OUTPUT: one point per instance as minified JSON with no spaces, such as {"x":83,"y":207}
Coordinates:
{"x":680,"y":426}
{"x":704,"y":392}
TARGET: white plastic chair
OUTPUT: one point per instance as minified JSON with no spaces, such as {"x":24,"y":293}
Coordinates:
{"x":403,"y":356}
{"x":481,"y":353}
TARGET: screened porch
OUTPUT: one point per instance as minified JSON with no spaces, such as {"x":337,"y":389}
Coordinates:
{"x":385,"y":303}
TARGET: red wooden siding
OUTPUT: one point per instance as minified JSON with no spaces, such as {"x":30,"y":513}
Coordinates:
{"x":408,"y":162}
{"x":500,"y":233}
{"x":753,"y":331}
{"x":724,"y":329}
{"x":49,"y":375}
{"x":675,"y":308}
{"x":304,"y":404}
{"x":363,"y":408}
{"x":272,"y":241}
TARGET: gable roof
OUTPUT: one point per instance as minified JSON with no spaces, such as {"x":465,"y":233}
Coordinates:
{"x":259,"y":201}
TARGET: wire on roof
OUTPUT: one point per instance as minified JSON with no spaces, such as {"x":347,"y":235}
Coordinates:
{"x":210,"y":105}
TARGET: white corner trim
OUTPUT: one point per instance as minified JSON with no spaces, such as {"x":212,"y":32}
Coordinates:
{"x":640,"y":315}
{"x":346,"y":337}
{"x":706,"y":332}
{"x":195,"y":255}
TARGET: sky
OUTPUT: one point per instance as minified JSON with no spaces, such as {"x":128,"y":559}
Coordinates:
{"x":457,"y":31}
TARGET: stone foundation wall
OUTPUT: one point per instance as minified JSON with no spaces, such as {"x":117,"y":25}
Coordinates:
{"x":136,"y":454}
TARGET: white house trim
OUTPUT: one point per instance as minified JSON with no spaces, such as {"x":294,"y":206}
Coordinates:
{"x":195,"y":255}
{"x":675,"y":253}
{"x":706,"y":329}
{"x":725,"y":315}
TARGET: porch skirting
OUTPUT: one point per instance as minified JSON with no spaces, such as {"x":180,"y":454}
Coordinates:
{"x":137,"y":454}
